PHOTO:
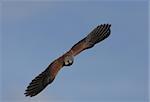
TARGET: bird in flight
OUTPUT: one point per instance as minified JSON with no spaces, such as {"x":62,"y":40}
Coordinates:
{"x":48,"y":75}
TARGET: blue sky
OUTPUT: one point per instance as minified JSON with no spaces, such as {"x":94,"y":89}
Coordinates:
{"x":36,"y":33}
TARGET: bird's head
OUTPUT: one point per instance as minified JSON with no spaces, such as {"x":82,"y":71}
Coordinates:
{"x":68,"y":61}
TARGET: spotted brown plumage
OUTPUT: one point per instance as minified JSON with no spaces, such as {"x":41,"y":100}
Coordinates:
{"x":48,"y":75}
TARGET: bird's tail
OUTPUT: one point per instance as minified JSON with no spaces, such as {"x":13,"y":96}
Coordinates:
{"x":98,"y":34}
{"x":39,"y":83}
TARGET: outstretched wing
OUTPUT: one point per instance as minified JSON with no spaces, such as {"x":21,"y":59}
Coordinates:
{"x":98,"y":34}
{"x":45,"y":78}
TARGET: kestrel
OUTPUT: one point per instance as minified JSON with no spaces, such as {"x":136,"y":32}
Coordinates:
{"x":48,"y":75}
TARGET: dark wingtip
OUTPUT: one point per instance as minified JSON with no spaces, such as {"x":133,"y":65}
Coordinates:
{"x":98,"y":34}
{"x":104,"y":25}
{"x":38,"y":84}
{"x":33,"y":90}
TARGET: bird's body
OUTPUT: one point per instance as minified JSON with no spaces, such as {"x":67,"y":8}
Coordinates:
{"x":48,"y":75}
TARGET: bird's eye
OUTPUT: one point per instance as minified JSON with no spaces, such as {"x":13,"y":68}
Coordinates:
{"x":70,"y":61}
{"x":66,"y":62}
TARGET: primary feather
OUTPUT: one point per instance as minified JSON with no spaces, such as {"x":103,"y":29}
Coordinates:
{"x":95,"y":36}
{"x":39,"y":83}
{"x":98,"y":34}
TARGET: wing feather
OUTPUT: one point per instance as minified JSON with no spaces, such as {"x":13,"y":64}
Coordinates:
{"x":95,"y":36}
{"x":103,"y":31}
{"x":45,"y":78}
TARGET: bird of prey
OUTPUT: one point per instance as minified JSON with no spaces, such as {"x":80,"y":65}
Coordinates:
{"x":48,"y":75}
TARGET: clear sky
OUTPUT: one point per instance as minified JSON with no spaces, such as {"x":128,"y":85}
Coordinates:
{"x":36,"y":33}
